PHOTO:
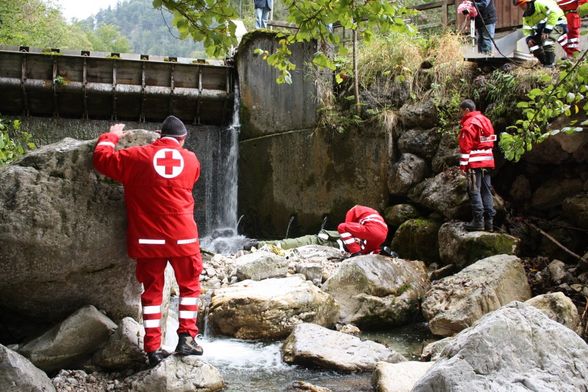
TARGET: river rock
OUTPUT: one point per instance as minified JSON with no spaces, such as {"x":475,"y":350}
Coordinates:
{"x":261,"y":265}
{"x":404,"y":174}
{"x":422,"y":143}
{"x":18,"y":374}
{"x":71,"y":342}
{"x":314,"y":251}
{"x":417,"y":239}
{"x":433,"y":350}
{"x":575,"y":210}
{"x":447,"y":155}
{"x":374,"y":290}
{"x":398,"y":377}
{"x":124,"y":349}
{"x":446,"y":193}
{"x":400,"y":213}
{"x":419,"y":114}
{"x":457,"y":301}
{"x":461,"y":248}
{"x":177,"y":374}
{"x":63,"y":230}
{"x":514,"y":348}
{"x":558,"y":307}
{"x":270,"y":308}
{"x":316,"y":346}
{"x":553,"y":192}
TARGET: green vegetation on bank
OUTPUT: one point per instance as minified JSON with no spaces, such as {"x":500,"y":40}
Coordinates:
{"x":14,"y":141}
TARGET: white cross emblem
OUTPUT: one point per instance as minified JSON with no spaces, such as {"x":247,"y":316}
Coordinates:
{"x":168,"y":162}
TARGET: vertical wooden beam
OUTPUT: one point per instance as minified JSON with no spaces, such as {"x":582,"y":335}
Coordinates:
{"x":84,"y":84}
{"x":114,"y":115}
{"x":445,"y":14}
{"x":55,"y":102}
{"x":23,"y":79}
{"x":142,"y":96}
{"x":171,"y":85}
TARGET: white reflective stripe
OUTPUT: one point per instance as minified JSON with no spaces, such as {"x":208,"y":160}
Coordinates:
{"x":375,"y":220}
{"x":464,"y":156}
{"x":147,"y":241}
{"x":478,"y":152}
{"x":534,"y":48}
{"x":323,"y":236}
{"x":548,"y":42}
{"x":549,"y":27}
{"x":373,"y":216}
{"x":151,"y":323}
{"x":463,"y":163}
{"x":188,"y":314}
{"x":110,"y":144}
{"x":152,"y":309}
{"x":573,"y":39}
{"x":340,"y":243}
{"x":491,"y":138}
{"x":345,"y":235}
{"x":188,"y":241}
{"x":351,"y":241}
{"x":573,"y":45}
{"x":481,"y":158}
{"x":188,"y":301}
{"x":565,"y":2}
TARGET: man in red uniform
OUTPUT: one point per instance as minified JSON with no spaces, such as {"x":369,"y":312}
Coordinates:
{"x":158,"y":179}
{"x":363,"y":231}
{"x":570,"y":8}
{"x":476,"y":140}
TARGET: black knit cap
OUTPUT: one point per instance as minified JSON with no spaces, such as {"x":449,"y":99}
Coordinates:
{"x":173,"y":126}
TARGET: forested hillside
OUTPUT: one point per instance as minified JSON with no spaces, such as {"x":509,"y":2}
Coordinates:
{"x":148,"y":30}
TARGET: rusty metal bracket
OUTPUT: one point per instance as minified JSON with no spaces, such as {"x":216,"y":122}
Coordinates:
{"x":23,"y":79}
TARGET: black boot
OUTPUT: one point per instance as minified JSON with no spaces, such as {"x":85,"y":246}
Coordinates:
{"x":549,"y":59}
{"x":157,"y":356}
{"x":187,"y":345}
{"x":488,"y":225}
{"x":386,"y":251}
{"x":477,"y":224}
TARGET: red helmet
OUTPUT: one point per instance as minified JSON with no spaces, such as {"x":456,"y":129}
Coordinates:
{"x":520,"y":2}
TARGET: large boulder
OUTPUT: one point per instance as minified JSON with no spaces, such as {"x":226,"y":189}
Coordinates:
{"x":316,"y":346}
{"x":270,"y":308}
{"x":575,"y":210}
{"x":446,"y":193}
{"x":398,"y":377}
{"x":551,"y":193}
{"x":558,"y":307}
{"x":62,"y":229}
{"x":404,"y":174}
{"x":417,"y":239}
{"x":400,"y":213}
{"x":456,"y":302}
{"x":72,"y":342}
{"x":124,"y":349}
{"x":374,"y":290}
{"x":516,"y":348}
{"x":419,"y":114}
{"x":461,"y":248}
{"x":261,"y":265}
{"x":18,"y":374}
{"x":177,"y":374}
{"x":422,"y":143}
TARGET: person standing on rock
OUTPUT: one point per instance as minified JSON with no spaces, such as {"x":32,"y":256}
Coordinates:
{"x":476,"y":140}
{"x":158,"y":179}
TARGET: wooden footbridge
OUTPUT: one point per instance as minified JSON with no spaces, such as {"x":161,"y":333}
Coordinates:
{"x":114,"y":86}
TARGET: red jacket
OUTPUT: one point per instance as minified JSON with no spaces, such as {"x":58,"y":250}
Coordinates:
{"x":570,"y":5}
{"x":158,"y":179}
{"x":476,"y":140}
{"x":366,"y":224}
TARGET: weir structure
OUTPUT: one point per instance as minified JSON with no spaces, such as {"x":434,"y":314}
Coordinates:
{"x":79,"y":94}
{"x":113,"y":86}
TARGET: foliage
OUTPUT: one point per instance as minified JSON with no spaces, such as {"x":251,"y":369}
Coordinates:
{"x":107,"y":38}
{"x":14,"y":141}
{"x":35,"y":23}
{"x":211,"y":22}
{"x":563,"y":96}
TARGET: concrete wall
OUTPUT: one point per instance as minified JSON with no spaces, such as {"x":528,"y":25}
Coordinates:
{"x":208,"y":142}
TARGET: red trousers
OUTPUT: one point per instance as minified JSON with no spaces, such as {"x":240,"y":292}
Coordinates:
{"x":151,"y":273}
{"x":574,"y":23}
{"x":365,"y":238}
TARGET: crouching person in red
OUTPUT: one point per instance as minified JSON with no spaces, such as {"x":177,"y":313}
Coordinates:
{"x":158,"y":179}
{"x":363,"y":231}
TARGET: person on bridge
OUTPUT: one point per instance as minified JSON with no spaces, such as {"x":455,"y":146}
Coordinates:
{"x":570,"y":9}
{"x":543,"y":24}
{"x":476,"y":140}
{"x":158,"y":179}
{"x":262,"y":12}
{"x":484,"y":13}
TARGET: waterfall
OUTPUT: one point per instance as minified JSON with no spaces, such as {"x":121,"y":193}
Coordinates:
{"x":222,"y":235}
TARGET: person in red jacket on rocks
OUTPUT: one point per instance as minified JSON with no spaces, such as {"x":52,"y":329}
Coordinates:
{"x":364,"y":231}
{"x":158,"y":179}
{"x":570,"y":9}
{"x":476,"y":140}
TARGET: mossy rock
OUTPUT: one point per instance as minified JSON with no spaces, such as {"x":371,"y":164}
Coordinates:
{"x":417,"y":239}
